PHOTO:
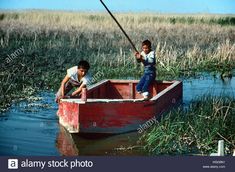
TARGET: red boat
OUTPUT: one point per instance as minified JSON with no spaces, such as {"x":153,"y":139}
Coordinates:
{"x":114,"y":106}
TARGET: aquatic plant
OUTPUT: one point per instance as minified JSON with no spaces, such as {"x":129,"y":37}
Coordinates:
{"x":194,"y":130}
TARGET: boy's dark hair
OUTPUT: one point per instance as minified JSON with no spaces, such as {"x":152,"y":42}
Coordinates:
{"x":84,"y":64}
{"x":147,"y":42}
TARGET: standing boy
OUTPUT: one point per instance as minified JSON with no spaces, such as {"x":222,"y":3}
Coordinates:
{"x":76,"y":77}
{"x":147,"y":57}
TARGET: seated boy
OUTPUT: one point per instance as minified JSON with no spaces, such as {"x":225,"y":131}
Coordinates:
{"x":76,"y":77}
{"x":147,"y":57}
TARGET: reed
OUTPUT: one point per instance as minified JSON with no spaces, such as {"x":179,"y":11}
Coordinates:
{"x":194,"y":130}
{"x":55,"y":41}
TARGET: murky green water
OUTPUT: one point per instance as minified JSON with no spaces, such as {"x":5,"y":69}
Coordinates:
{"x":33,"y":129}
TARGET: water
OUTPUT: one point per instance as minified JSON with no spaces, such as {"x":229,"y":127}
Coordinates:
{"x":208,"y":85}
{"x":32,"y":128}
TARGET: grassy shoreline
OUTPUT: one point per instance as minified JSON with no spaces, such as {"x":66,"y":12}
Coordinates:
{"x":194,"y":131}
{"x":56,"y":41}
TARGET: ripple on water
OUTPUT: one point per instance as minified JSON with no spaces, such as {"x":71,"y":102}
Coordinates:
{"x":28,"y":132}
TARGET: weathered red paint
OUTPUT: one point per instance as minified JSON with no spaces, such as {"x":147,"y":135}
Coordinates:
{"x":111,"y":106}
{"x":68,"y":113}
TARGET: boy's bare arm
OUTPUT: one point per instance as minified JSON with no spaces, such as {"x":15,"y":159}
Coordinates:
{"x":66,"y":78}
{"x":78,"y":90}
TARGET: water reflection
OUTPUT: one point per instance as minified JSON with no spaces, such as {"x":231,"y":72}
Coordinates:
{"x":93,"y":144}
{"x":65,"y":143}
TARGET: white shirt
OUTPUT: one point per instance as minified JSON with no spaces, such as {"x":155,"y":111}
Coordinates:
{"x":149,"y":58}
{"x":73,"y":75}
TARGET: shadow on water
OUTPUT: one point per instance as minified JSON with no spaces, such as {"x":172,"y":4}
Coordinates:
{"x":31,"y":128}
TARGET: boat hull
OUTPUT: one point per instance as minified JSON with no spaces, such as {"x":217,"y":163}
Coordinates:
{"x":122,"y":115}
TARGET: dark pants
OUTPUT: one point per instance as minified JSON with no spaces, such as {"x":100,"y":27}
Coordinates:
{"x":145,"y":82}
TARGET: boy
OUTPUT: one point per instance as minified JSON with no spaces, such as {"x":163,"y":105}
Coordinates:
{"x":76,"y":77}
{"x":147,"y":57}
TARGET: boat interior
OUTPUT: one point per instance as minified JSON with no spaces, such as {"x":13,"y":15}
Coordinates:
{"x":121,"y":90}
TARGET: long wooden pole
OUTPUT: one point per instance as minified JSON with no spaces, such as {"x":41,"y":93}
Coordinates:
{"x":132,"y":44}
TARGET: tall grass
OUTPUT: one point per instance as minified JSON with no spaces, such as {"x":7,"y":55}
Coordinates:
{"x":195,"y":130}
{"x":55,"y":41}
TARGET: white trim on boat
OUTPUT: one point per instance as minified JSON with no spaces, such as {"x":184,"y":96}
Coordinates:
{"x":79,"y":101}
{"x":175,"y":83}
